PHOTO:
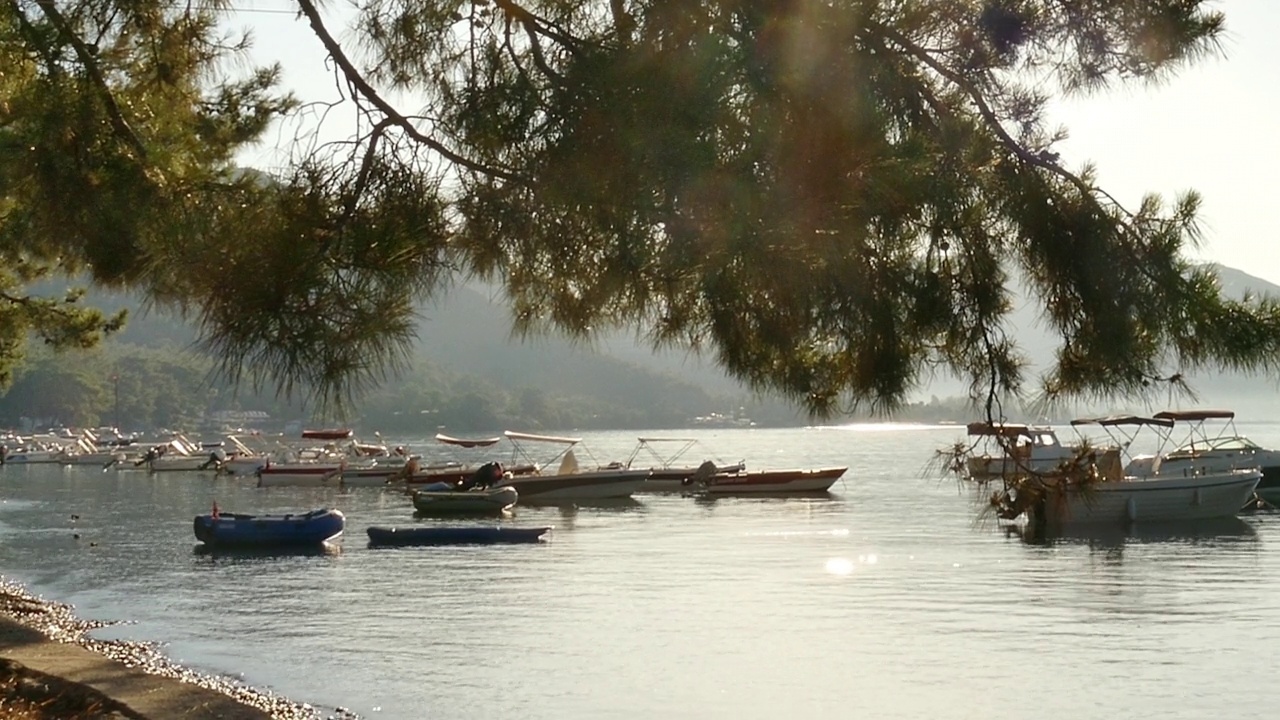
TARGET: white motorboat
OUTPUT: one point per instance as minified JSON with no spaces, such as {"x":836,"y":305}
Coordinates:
{"x":1156,"y":499}
{"x":1010,"y":449}
{"x":376,"y":472}
{"x":31,"y":455}
{"x":1212,"y":444}
{"x":1097,"y":490}
{"x":569,"y":481}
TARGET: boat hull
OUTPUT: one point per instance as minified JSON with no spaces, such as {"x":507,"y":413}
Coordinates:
{"x":589,"y":485}
{"x":455,"y":473}
{"x":775,"y":482}
{"x":185,"y":463}
{"x":673,"y":479}
{"x":266,"y":531}
{"x":491,"y":501}
{"x":469,"y":535}
{"x":299,"y":476}
{"x":35,"y":457}
{"x":244,"y":465}
{"x":1157,"y":499}
{"x":376,"y":476}
{"x":98,"y":459}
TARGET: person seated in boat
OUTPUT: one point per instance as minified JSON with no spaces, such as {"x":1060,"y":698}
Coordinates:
{"x":484,"y":477}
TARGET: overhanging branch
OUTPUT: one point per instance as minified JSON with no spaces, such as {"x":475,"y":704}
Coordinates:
{"x":363,"y":87}
{"x":86,"y":56}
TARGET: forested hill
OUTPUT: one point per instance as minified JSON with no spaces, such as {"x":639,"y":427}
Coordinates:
{"x":468,"y":373}
{"x":471,"y":373}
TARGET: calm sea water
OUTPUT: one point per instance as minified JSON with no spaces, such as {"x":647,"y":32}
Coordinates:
{"x":886,"y":600}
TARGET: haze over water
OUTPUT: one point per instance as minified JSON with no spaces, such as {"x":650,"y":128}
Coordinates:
{"x":886,"y":600}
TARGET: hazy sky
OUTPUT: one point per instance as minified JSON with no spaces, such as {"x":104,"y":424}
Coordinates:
{"x":1213,"y":127}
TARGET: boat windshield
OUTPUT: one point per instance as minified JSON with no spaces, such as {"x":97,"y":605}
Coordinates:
{"x":1046,"y":439}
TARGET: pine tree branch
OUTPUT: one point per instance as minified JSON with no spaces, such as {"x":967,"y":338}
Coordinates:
{"x":363,"y":87}
{"x":989,"y":115}
{"x":90,"y":63}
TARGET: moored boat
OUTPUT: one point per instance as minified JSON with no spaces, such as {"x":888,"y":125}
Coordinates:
{"x":1207,"y":449}
{"x":569,"y":481}
{"x":221,"y":529}
{"x":773,"y":482}
{"x":1014,"y":448}
{"x":480,"y":501}
{"x":304,"y":474}
{"x":1154,"y":499}
{"x":667,"y":475}
{"x":1097,"y":488}
{"x":454,"y":535}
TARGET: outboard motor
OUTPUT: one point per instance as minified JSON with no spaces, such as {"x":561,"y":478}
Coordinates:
{"x":216,"y":458}
{"x":484,"y":476}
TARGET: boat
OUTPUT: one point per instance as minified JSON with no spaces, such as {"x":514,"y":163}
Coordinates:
{"x":453,"y":472}
{"x":379,"y":472}
{"x":34,"y":454}
{"x":300,"y":474}
{"x":667,"y":476}
{"x":455,"y":535}
{"x":569,"y":481}
{"x":1005,"y":449}
{"x":89,"y":450}
{"x":479,"y":501}
{"x":220,"y":529}
{"x":180,"y":454}
{"x":771,"y":482}
{"x":467,"y":442}
{"x":1212,"y":443}
{"x":1097,"y":488}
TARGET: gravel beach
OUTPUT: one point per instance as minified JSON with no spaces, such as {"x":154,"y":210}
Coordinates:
{"x":48,"y":659}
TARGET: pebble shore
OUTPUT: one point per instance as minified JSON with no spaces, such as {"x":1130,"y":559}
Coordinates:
{"x":59,"y":623}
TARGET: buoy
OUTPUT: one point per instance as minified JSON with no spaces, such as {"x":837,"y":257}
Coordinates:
{"x":1131,"y":509}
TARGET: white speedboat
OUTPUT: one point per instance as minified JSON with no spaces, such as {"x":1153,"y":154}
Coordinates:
{"x":376,"y":472}
{"x":35,"y":455}
{"x":569,"y":481}
{"x":1212,"y":444}
{"x":1154,"y":499}
{"x":1009,"y":449}
{"x":1096,"y":489}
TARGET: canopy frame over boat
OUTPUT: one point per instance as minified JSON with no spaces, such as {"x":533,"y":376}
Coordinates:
{"x":1199,"y":438}
{"x":1123,"y":430}
{"x":566,"y":457}
{"x":685,"y":444}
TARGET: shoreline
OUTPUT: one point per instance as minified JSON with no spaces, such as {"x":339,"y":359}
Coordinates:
{"x":47,"y":637}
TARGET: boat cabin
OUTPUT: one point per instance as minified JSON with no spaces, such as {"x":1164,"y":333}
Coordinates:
{"x":1003,"y":448}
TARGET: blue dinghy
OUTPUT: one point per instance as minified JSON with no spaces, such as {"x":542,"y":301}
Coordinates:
{"x":465,"y":535}
{"x":258,"y":531}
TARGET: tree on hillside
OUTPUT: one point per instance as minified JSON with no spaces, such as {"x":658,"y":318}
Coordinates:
{"x":827,"y":197}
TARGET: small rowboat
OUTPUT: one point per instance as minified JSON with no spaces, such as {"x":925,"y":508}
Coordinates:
{"x":465,"y":535}
{"x":489,"y":501}
{"x":239,"y":530}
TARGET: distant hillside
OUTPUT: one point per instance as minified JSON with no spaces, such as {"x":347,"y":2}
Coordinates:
{"x":466,"y":333}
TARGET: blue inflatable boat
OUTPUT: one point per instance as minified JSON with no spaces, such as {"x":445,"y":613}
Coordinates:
{"x":265,"y":531}
{"x":463,"y":535}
